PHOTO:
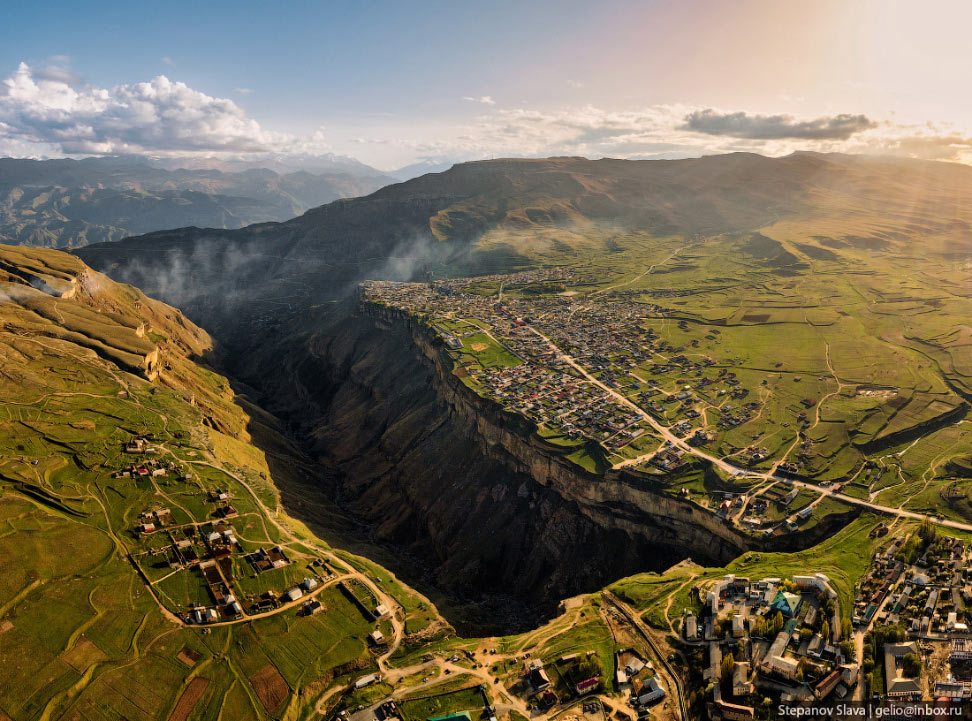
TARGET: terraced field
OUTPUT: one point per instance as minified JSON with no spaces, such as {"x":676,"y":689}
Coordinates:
{"x":94,"y":615}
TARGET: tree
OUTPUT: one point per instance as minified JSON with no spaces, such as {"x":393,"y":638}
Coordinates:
{"x":911,"y":665}
{"x":761,"y":628}
{"x":846,"y":628}
{"x":825,"y":630}
{"x":589,"y":668}
{"x":926,"y":532}
{"x":727,"y":663}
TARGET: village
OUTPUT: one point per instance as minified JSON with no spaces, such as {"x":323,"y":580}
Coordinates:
{"x":915,"y":604}
{"x":616,"y":682}
{"x":774,"y":637}
{"x":597,"y":374}
{"x":606,"y":335}
{"x":223,"y":578}
{"x":906,"y":640}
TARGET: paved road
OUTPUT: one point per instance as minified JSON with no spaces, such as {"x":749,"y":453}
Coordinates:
{"x":730,"y":468}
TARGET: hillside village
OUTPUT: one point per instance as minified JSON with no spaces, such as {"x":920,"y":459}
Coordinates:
{"x":607,"y":335}
{"x":599,"y":381}
{"x":778,"y":637}
{"x":905,"y":639}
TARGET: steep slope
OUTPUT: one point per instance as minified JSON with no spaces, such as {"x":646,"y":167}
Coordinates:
{"x":503,"y":524}
{"x":860,"y":261}
{"x":505,"y":215}
{"x":125,"y":592}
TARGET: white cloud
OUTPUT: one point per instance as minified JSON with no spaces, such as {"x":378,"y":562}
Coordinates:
{"x":773,"y":127}
{"x":168,"y":61}
{"x":675,"y":131}
{"x":243,"y":91}
{"x":159,"y":116}
{"x":50,"y":111}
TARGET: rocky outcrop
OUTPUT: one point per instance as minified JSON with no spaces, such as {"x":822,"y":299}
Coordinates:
{"x":501,"y":521}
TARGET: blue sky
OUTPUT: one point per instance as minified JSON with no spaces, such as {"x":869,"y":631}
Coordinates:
{"x":395,"y":82}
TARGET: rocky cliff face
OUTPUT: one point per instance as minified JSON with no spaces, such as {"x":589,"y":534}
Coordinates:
{"x":501,"y":522}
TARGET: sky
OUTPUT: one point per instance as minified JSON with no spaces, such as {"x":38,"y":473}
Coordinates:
{"x":394,"y":83}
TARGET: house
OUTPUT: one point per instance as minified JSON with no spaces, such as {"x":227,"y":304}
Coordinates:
{"x":898,"y":685}
{"x":741,"y":685}
{"x":776,"y":662}
{"x":538,"y":678}
{"x":954,"y":690}
{"x":381,"y":611}
{"x":738,"y":628}
{"x":849,"y":673}
{"x":650,"y":692}
{"x":587,"y":685}
{"x":309,"y":583}
{"x":827,"y":685}
{"x":313,"y":606}
{"x":691,"y":628}
{"x":816,"y":645}
{"x":817,"y":582}
{"x":293,"y":594}
{"x":786,"y":667}
{"x":786,"y":603}
{"x":376,"y":637}
{"x":961,"y":651}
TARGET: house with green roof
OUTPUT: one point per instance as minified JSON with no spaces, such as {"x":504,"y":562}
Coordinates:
{"x":786,"y":603}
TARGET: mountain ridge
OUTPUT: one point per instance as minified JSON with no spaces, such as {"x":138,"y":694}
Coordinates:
{"x":70,"y":203}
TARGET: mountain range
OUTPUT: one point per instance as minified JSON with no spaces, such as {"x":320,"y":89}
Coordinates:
{"x":505,"y":215}
{"x":601,"y":357}
{"x":70,"y":203}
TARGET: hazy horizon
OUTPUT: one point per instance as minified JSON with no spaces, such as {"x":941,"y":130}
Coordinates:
{"x":391,"y":86}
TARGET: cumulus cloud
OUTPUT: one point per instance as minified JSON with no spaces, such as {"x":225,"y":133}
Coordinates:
{"x":774,"y":127}
{"x":50,"y":111}
{"x":243,"y":91}
{"x":161,"y":116}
